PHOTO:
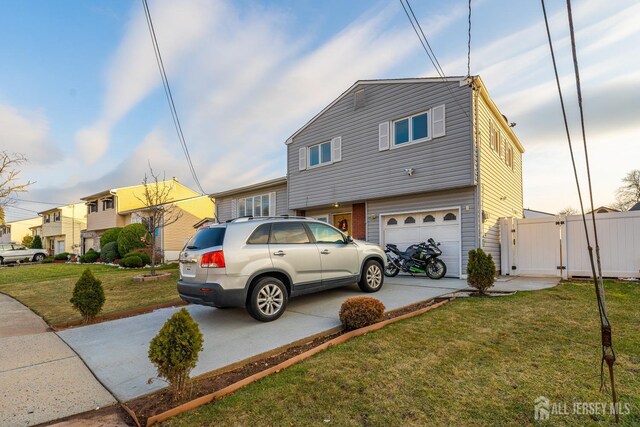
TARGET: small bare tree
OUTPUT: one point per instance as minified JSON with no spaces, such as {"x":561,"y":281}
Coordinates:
{"x":9,"y":173}
{"x":629,"y":193}
{"x":156,"y":199}
{"x":568,"y":211}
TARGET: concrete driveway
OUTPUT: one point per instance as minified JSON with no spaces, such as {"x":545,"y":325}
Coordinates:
{"x":41,"y":378}
{"x":116,"y":351}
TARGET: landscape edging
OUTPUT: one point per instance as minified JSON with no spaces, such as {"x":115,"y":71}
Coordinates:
{"x":202,"y":400}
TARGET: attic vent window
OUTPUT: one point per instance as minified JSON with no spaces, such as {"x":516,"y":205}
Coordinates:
{"x":358,"y":99}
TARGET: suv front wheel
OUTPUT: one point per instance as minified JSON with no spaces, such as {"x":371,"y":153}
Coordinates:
{"x":268,"y":299}
{"x":372,"y":277}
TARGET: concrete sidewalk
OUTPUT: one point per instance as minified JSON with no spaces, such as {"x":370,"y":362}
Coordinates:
{"x":116,"y":351}
{"x":41,"y":378}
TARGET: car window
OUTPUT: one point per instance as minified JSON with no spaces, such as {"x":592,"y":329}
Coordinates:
{"x":207,"y":238}
{"x":260,"y":235}
{"x":288,"y":232}
{"x":19,"y":248}
{"x":325,"y":234}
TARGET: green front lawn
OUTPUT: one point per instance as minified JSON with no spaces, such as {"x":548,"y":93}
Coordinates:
{"x":47,"y":288}
{"x":472,"y":362}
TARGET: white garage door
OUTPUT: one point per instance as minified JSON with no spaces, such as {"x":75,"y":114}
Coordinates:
{"x":442,"y":226}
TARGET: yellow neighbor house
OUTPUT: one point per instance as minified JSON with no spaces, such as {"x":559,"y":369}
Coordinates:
{"x":15,"y":231}
{"x":61,"y":228}
{"x":119,"y":207}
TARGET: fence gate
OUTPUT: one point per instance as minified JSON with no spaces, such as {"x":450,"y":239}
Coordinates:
{"x":556,"y":246}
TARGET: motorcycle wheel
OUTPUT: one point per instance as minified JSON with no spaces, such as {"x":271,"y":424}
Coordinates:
{"x":390,"y":270}
{"x":436,"y":270}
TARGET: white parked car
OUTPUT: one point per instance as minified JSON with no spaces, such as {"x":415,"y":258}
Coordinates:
{"x":13,"y":252}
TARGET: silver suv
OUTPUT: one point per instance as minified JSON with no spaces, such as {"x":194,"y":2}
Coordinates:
{"x":259,"y":263}
{"x":14,"y":252}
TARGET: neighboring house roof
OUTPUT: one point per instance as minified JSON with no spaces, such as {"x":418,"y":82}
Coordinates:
{"x":604,"y":209}
{"x":204,"y":221}
{"x":531,"y":213}
{"x":252,"y":187}
{"x":460,"y":79}
{"x":635,"y":207}
{"x":59,"y":208}
{"x":170,"y":202}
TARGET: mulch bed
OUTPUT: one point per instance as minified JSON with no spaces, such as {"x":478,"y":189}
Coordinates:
{"x":161,"y":401}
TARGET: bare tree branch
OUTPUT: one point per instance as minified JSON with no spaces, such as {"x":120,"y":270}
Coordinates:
{"x":628,"y":194}
{"x":9,"y":172}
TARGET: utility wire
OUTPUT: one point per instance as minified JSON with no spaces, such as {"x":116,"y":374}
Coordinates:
{"x":39,"y":202}
{"x":169,"y":95}
{"x":429,"y":51}
{"x":469,"y":44}
{"x":608,"y":354}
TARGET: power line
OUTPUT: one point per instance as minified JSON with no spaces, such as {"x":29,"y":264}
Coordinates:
{"x":39,"y":202}
{"x":169,"y":95}
{"x":469,"y":44}
{"x":429,"y":51}
{"x":608,"y":353}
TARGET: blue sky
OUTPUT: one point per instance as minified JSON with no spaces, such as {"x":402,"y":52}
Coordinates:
{"x":81,"y":96}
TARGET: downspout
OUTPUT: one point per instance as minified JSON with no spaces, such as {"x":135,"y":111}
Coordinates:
{"x":477,"y":142}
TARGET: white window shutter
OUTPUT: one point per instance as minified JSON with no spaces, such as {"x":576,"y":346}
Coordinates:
{"x":438,"y":117}
{"x":336,"y":149}
{"x":272,"y":204}
{"x":383,"y":136}
{"x":234,"y":208}
{"x":302,"y":158}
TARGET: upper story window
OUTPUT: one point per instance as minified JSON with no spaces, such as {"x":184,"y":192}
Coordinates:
{"x":47,"y":219}
{"x":496,"y":139}
{"x":92,"y":207}
{"x":254,"y":206}
{"x":107,"y":203}
{"x":57,"y":216}
{"x":319,"y":154}
{"x":508,"y":155}
{"x":411,"y":129}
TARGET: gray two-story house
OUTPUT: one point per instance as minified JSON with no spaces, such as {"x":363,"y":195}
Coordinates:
{"x":403,"y":160}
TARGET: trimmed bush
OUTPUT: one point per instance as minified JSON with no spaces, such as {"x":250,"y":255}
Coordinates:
{"x":146,"y":260}
{"x":481,"y":270}
{"x":90,"y":257}
{"x":47,"y":260}
{"x":131,"y":237}
{"x":88,"y":296}
{"x":61,"y":256}
{"x":109,"y":252}
{"x":111,"y":235}
{"x":174,"y":351}
{"x":358,"y":312}
{"x":27,"y":240}
{"x":131,"y":261}
{"x":37,"y":243}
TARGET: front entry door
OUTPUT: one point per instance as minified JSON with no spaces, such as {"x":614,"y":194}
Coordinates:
{"x":343,"y":222}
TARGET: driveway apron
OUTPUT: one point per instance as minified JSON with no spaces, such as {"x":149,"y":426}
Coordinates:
{"x":41,"y":378}
{"x":116,"y":351}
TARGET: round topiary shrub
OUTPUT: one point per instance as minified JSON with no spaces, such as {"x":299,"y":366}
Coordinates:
{"x":109,"y":252}
{"x":61,"y":256}
{"x":90,"y":257}
{"x":174,"y":351}
{"x":146,"y":259}
{"x":481,"y":270}
{"x":88,"y":296}
{"x":358,"y":312}
{"x":131,"y":261}
{"x":131,"y":237}
{"x":111,"y":235}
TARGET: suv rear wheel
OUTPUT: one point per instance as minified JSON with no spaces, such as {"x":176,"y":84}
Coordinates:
{"x":372,"y":277}
{"x":268,"y":299}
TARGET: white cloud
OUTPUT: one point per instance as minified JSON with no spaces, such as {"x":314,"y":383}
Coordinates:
{"x":27,"y":133}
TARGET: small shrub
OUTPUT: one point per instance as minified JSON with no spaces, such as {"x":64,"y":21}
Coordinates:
{"x":61,"y":256}
{"x":27,"y":240}
{"x":131,"y":237}
{"x":48,"y":260}
{"x":111,"y":235}
{"x":37,"y":243}
{"x":109,"y":252}
{"x":90,"y":257}
{"x":131,"y":261}
{"x":88,"y":296}
{"x":174,"y":351}
{"x":358,"y":312}
{"x":481,"y":270}
{"x":146,"y":260}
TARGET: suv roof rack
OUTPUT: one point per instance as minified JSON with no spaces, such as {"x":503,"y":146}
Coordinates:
{"x":252,"y":218}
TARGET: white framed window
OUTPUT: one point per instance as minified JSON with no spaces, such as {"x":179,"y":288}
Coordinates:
{"x":107,"y":203}
{"x":319,"y":154}
{"x":412,"y":129}
{"x":254,"y":205}
{"x":56,"y":216}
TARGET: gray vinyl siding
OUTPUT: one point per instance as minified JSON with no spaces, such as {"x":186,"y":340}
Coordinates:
{"x":367,"y":173}
{"x":223,"y":204}
{"x":424,"y":202}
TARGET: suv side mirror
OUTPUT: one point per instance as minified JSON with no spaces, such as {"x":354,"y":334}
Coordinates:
{"x":348,"y":240}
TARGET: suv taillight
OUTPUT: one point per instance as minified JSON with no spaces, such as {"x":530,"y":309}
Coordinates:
{"x":212,"y":260}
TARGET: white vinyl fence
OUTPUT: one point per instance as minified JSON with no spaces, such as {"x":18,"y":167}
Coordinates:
{"x":556,"y":246}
